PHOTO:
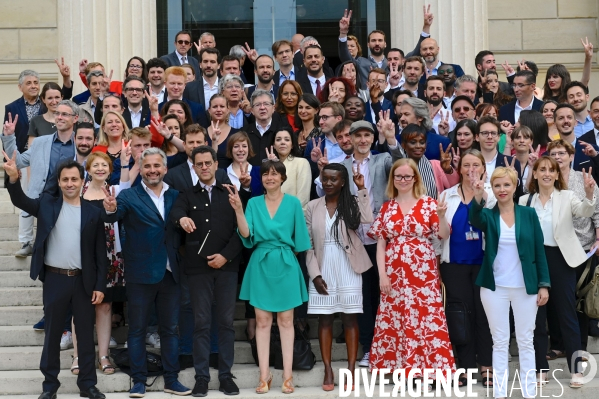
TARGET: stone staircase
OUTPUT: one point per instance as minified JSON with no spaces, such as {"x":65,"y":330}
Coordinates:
{"x":21,"y":346}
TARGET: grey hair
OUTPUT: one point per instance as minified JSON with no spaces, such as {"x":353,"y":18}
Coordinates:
{"x":261,"y":92}
{"x":462,"y":79}
{"x":28,"y":72}
{"x":237,"y":51}
{"x":152,"y":151}
{"x":307,"y":39}
{"x":206,"y":34}
{"x":74,"y":107}
{"x":93,"y":74}
{"x":226,"y":80}
{"x":421,"y":110}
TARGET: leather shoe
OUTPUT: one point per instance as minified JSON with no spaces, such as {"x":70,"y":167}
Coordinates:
{"x":92,"y":393}
{"x":47,"y":395}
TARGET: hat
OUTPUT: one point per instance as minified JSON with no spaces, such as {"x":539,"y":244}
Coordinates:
{"x":359,"y":125}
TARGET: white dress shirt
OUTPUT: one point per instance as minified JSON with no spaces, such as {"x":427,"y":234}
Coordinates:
{"x":135,"y":117}
{"x":545,"y":214}
{"x":194,"y":175}
{"x":209,"y":91}
{"x":263,"y":130}
{"x":159,"y":203}
{"x":491,"y":167}
{"x":183,"y":59}
{"x":518,"y":109}
{"x":313,"y":80}
{"x":159,"y":96}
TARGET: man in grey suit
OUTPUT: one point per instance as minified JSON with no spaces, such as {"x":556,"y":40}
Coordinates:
{"x":179,"y":56}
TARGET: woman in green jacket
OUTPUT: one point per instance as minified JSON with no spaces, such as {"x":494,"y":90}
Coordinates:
{"x":514,"y":272}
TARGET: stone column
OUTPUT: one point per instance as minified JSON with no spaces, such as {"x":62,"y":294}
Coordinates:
{"x":106,"y":31}
{"x":459,"y":26}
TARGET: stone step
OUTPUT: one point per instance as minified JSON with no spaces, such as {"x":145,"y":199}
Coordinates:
{"x":10,"y":247}
{"x":17,"y":278}
{"x":307,"y":383}
{"x":12,"y":263}
{"x":21,"y":296}
{"x":24,"y":316}
{"x":9,"y":233}
{"x":6,"y":207}
{"x":9,"y":220}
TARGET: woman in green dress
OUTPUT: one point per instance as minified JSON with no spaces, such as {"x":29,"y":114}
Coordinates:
{"x":274,"y":225}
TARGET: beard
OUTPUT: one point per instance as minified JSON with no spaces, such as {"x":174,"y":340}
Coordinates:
{"x":435,"y":102}
{"x":264,"y":81}
{"x":84,"y":152}
{"x":376,"y":52}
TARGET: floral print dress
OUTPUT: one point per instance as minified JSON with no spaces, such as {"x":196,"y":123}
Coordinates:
{"x":411,"y":329}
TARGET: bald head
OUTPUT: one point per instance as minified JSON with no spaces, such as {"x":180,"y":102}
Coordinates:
{"x":296,"y":40}
{"x":429,"y":50}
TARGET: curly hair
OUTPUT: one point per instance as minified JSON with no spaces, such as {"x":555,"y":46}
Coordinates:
{"x":350,"y":89}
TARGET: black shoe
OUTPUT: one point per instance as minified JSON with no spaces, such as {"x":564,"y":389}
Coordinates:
{"x":200,"y":389}
{"x":47,"y":395}
{"x":185,"y":361}
{"x":213,"y":361}
{"x":92,"y":393}
{"x":228,"y":386}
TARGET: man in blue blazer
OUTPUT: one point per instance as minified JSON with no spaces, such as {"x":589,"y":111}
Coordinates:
{"x":179,"y":57}
{"x":524,"y":88}
{"x":152,"y":274}
{"x":429,"y":50}
{"x":175,"y":78}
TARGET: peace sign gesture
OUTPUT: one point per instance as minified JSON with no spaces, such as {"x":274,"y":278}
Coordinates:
{"x":507,"y":68}
{"x":216,"y":132}
{"x":588,"y":48}
{"x":533,"y":156}
{"x":244,"y":104}
{"x":358,"y":178}
{"x":428,"y":18}
{"x":523,"y":66}
{"x":589,"y":183}
{"x":110,"y":200}
{"x":334,"y":94}
{"x":344,"y":22}
{"x":10,"y":166}
{"x":483,"y":79}
{"x":160,"y":128}
{"x":443,"y":126}
{"x":387,"y":127}
{"x":65,"y":71}
{"x":153,"y":102}
{"x":441,"y":206}
{"x":445,"y":158}
{"x":510,"y":165}
{"x":270,"y":155}
{"x":477,"y":183}
{"x":82,"y":65}
{"x":455,"y":157}
{"x":10,"y":125}
{"x":234,"y":199}
{"x":125,"y":153}
{"x":106,"y":82}
{"x":316,"y":153}
{"x":244,"y":178}
{"x":251,"y":53}
{"x":323,"y":161}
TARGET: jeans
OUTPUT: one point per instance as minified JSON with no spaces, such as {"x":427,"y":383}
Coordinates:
{"x":166,"y":295}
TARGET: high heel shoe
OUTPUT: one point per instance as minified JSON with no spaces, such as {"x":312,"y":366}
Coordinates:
{"x":264,"y":386}
{"x":75,"y":368}
{"x":329,"y":387}
{"x":106,"y":368}
{"x":288,"y":385}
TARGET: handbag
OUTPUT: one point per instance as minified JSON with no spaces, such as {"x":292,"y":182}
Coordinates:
{"x":588,"y":296}
{"x":153,"y":362}
{"x":303,"y":357}
{"x":458,"y":321}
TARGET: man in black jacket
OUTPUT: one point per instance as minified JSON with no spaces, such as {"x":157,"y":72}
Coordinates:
{"x":212,"y":256}
{"x":69,"y":256}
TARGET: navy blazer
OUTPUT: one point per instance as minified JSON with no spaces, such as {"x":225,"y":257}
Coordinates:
{"x":456,"y":69}
{"x":46,"y":208}
{"x":274,"y":90}
{"x":198,"y":112}
{"x":506,"y":113}
{"x":172,"y":60}
{"x":82,"y":98}
{"x":387,"y":105}
{"x":150,"y":239}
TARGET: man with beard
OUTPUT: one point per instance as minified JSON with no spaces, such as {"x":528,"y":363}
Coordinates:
{"x":202,"y":90}
{"x":264,"y":68}
{"x":577,"y":95}
{"x":442,"y":120}
{"x":447,"y":72}
{"x":486,"y":60}
{"x":84,"y":142}
{"x":429,"y":50}
{"x":312,"y":78}
{"x":413,"y":70}
{"x":156,"y":68}
{"x":524,"y":90}
{"x":592,"y":135}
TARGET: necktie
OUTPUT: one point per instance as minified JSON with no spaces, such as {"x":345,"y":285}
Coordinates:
{"x":318,"y":88}
{"x":183,"y":60}
{"x":209,"y":189}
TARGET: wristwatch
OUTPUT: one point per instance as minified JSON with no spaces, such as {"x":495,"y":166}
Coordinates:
{"x":169,"y":138}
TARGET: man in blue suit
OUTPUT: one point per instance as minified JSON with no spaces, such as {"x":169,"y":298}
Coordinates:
{"x":524,"y":88}
{"x":179,"y":56}
{"x":429,"y":50}
{"x":377,"y":82}
{"x":152,"y":274}
{"x":175,"y":78}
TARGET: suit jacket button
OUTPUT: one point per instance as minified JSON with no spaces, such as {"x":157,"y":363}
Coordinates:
{"x":347,"y":247}
{"x":206,"y":219}
{"x":194,"y":207}
{"x":206,"y":204}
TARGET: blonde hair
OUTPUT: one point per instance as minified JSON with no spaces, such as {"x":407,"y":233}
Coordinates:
{"x":502,"y":171}
{"x":418,"y":189}
{"x":102,"y":137}
{"x":98,"y":154}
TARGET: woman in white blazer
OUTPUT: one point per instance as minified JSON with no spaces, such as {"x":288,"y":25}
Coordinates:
{"x":556,"y":207}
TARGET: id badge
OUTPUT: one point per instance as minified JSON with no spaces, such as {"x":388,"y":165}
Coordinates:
{"x":474,"y":234}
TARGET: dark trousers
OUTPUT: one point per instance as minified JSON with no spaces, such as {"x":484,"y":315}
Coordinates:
{"x":166,"y":295}
{"x":371,"y":297}
{"x":185,"y":318}
{"x":460,"y":286}
{"x":61,"y":292}
{"x":541,"y":340}
{"x":562,"y":302}
{"x":221,"y":288}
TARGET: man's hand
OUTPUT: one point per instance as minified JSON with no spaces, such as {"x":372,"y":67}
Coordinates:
{"x":316,"y":153}
{"x":251,"y":53}
{"x":588,"y":48}
{"x":110,"y":200}
{"x":444,"y":125}
{"x":509,"y":71}
{"x":187,"y":224}
{"x":65,"y":71}
{"x":10,"y":125}
{"x":10,"y":166}
{"x":153,"y":102}
{"x":323,"y":161}
{"x":387,"y":127}
{"x":394,"y":76}
{"x":428,"y":19}
{"x":106,"y":82}
{"x":245,"y":179}
{"x":216,"y":261}
{"x":82,"y":65}
{"x":344,"y":23}
{"x":97,"y":297}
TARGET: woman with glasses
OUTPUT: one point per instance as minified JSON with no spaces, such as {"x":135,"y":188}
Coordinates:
{"x":556,"y":207}
{"x":411,"y":329}
{"x":288,"y":98}
{"x":43,"y":125}
{"x":231,"y":86}
{"x":219,"y":130}
{"x":307,"y":113}
{"x":274,"y":225}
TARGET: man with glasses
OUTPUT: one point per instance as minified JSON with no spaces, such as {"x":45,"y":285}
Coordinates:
{"x":377,"y":83}
{"x":137,"y":113}
{"x":202,"y":90}
{"x":329,"y":115}
{"x":524,"y":89}
{"x":179,"y":56}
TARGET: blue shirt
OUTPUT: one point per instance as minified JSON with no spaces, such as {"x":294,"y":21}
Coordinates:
{"x":432,"y":145}
{"x":283,"y":78}
{"x":461,"y":250}
{"x":236,"y":120}
{"x":583,"y":127}
{"x":58,"y":152}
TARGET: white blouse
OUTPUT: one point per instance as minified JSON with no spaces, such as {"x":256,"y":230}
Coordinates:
{"x":507,"y":268}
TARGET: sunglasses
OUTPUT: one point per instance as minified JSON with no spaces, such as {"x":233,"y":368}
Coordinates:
{"x":185,"y":42}
{"x":460,"y":109}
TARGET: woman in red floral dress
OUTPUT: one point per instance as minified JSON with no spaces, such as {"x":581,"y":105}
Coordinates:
{"x":411,"y":329}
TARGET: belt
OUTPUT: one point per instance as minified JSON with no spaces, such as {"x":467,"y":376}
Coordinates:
{"x":68,"y":272}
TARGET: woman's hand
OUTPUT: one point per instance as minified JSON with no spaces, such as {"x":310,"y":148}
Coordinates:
{"x":385,"y":284}
{"x":589,"y":183}
{"x":161,"y":128}
{"x":478,"y":184}
{"x":10,"y":125}
{"x":542,"y":296}
{"x":588,"y":48}
{"x":125,"y":153}
{"x":443,"y":126}
{"x":455,"y":158}
{"x":234,"y":199}
{"x":244,"y":179}
{"x":445,"y":159}
{"x":153,"y":103}
{"x":533,"y":156}
{"x":270,"y":155}
{"x":441,"y":206}
{"x":216,"y":132}
{"x":334,"y":95}
{"x":320,"y":285}
{"x":358,"y":178}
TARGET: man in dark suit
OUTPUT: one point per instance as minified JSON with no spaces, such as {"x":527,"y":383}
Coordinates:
{"x":137,"y":109}
{"x":592,"y":136}
{"x":179,"y":56}
{"x":201,"y":90}
{"x":486,"y":60}
{"x":524,"y":87}
{"x":152,"y":274}
{"x":175,"y":78}
{"x":264,"y":68}
{"x":377,"y":83}
{"x":69,"y":256}
{"x":212,"y":257}
{"x":313,"y":77}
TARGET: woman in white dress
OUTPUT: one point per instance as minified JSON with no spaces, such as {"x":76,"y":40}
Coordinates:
{"x":337,"y":260}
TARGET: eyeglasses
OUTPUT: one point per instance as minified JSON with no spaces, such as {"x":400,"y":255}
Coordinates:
{"x":185,"y":42}
{"x":135,"y":66}
{"x":62,"y":114}
{"x":559,"y":154}
{"x":326,"y":117}
{"x":402,"y":177}
{"x":260,"y":105}
{"x":134,"y":89}
{"x":444,"y":71}
{"x":520,"y":86}
{"x":200,"y":165}
{"x":233,"y":87}
{"x":379,"y":81}
{"x":489,"y":133}
{"x":460,"y":109}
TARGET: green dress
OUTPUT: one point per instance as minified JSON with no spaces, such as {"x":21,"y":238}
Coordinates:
{"x":273,"y":280}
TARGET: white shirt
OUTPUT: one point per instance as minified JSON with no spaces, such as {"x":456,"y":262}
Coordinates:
{"x":263,"y":130}
{"x":159,"y":203}
{"x":372,"y":114}
{"x":194,"y":175}
{"x":181,"y":61}
{"x":159,"y":96}
{"x":545,"y":214}
{"x":441,"y":114}
{"x":135,"y":117}
{"x":518,"y":109}
{"x":209,"y":91}
{"x":449,"y":100}
{"x":491,"y":167}
{"x":435,"y":69}
{"x":313,"y":80}
{"x":234,"y":178}
{"x":507,"y":268}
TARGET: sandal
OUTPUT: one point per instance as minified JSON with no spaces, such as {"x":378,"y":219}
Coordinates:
{"x":487,"y":380}
{"x":542,"y":380}
{"x":576,"y":382}
{"x":462,"y":381}
{"x":106,"y":368}
{"x":553,"y":354}
{"x":264,"y":386}
{"x":75,"y":367}
{"x":288,"y":385}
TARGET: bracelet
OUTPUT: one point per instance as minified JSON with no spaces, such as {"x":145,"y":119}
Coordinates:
{"x":125,"y":167}
{"x":170,"y":137}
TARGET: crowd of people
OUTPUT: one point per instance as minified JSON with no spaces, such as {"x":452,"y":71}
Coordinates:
{"x":364,"y":191}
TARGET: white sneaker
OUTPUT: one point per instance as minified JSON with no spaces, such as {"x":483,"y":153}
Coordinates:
{"x":125,"y":346}
{"x":66,"y":341}
{"x":365,"y":362}
{"x":153,"y":339}
{"x":112,"y":343}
